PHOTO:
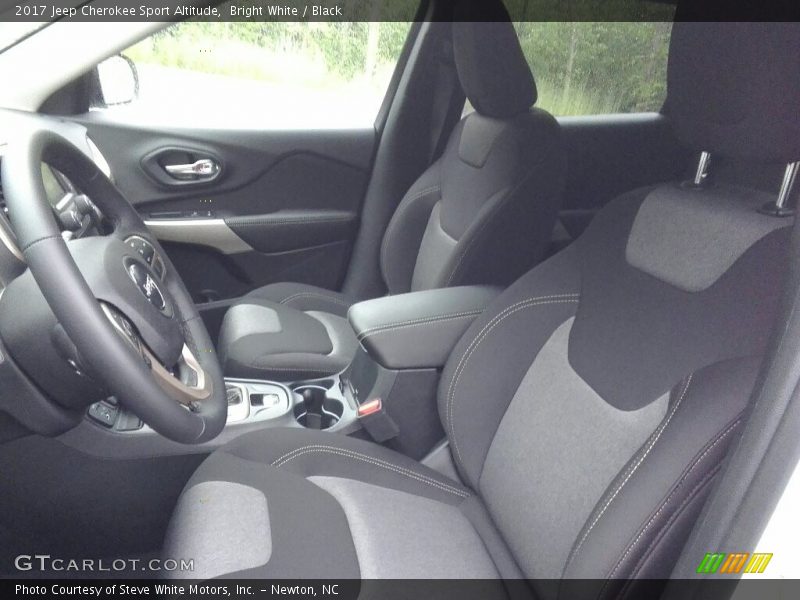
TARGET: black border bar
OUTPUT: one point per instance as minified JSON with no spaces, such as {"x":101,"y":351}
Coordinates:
{"x":392,"y":10}
{"x":244,"y":589}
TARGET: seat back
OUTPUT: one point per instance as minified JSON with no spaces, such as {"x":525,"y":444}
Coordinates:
{"x":485,"y":211}
{"x":593,"y":403}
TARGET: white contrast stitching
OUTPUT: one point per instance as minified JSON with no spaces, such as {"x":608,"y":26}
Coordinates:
{"x":415,"y":322}
{"x":368,"y":459}
{"x":487,"y":329}
{"x":696,"y":462}
{"x":689,"y":497}
{"x":632,"y":470}
{"x":314,"y":295}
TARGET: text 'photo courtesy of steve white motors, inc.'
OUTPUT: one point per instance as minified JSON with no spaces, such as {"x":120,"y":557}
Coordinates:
{"x":261,"y":589}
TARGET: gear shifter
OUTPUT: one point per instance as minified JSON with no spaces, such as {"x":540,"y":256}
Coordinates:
{"x":313,"y":403}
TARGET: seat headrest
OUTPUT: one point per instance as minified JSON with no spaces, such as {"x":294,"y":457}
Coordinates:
{"x":493,"y":71}
{"x":734,"y":89}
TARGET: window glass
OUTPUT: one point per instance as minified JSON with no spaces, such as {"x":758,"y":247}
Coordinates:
{"x":265,"y":74}
{"x":585,"y":68}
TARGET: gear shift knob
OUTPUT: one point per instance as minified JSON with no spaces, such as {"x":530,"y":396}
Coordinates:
{"x":309,"y":400}
{"x":313,"y":399}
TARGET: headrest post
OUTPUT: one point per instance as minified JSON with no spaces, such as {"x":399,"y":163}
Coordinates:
{"x":789,"y":175}
{"x":701,"y":174}
{"x":781,"y":208}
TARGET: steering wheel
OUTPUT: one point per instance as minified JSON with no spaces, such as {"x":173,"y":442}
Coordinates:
{"x":135,"y":327}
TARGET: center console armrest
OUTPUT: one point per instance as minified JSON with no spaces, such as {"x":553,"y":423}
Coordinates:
{"x":419,"y":329}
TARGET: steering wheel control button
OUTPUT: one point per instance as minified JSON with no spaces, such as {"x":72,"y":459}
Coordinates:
{"x":103,"y":413}
{"x":146,"y":284}
{"x":143,"y":248}
{"x":146,"y":250}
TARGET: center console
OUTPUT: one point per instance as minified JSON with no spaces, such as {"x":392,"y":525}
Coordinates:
{"x":387,"y":393}
{"x":325,"y":404}
{"x":405,"y":341}
{"x":321,"y":404}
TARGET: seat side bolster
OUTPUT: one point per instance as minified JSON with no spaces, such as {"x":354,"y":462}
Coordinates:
{"x":504,"y":338}
{"x":643,"y":506}
{"x":403,"y":236}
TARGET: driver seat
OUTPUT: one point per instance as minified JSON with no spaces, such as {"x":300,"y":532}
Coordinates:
{"x":588,"y":410}
{"x":483,"y":213}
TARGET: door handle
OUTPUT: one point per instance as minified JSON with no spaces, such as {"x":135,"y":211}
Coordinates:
{"x":205,"y":169}
{"x":182,"y":166}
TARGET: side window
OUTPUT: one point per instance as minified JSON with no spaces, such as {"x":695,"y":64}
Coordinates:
{"x":294,"y":75}
{"x":589,"y":68}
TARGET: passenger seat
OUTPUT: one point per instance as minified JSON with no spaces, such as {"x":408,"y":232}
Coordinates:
{"x":481,"y":214}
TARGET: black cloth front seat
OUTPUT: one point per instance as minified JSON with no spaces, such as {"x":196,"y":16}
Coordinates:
{"x":482,"y":214}
{"x":588,"y":411}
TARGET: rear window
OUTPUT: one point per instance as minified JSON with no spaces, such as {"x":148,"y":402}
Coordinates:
{"x":591,"y":68}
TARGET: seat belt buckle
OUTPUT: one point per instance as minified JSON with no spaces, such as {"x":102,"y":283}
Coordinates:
{"x":374,"y":418}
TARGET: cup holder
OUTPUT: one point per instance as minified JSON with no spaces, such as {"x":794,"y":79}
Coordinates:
{"x":317,"y":410}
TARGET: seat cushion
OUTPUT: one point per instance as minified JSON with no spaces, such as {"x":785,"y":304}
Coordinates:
{"x":286,"y":331}
{"x":316,"y":505}
{"x":305,"y":297}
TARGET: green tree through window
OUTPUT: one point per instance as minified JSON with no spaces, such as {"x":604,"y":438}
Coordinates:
{"x":291,"y":72}
{"x":584,"y":68}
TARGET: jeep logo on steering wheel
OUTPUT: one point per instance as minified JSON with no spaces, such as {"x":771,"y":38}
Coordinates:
{"x":146,"y":283}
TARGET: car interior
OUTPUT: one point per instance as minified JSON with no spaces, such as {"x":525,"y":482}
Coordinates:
{"x":489,"y":344}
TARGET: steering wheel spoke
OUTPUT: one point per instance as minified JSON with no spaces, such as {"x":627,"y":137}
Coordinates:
{"x":124,"y":327}
{"x":186,"y":382}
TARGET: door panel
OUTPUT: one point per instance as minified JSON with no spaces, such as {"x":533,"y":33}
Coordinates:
{"x":211,"y":275}
{"x":280,"y":206}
